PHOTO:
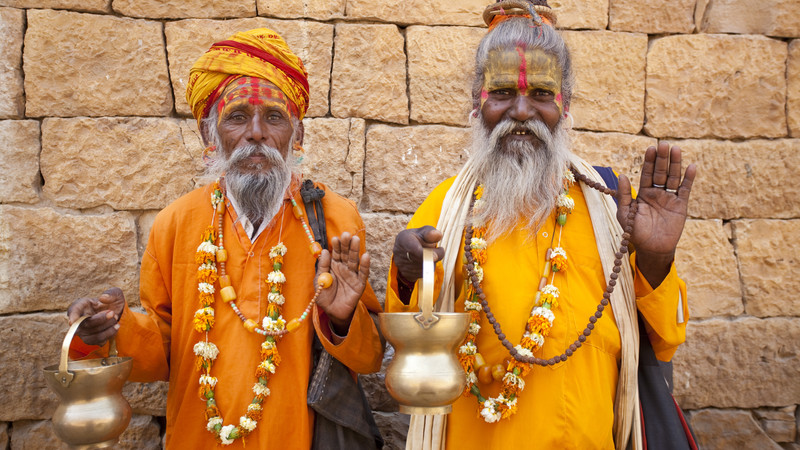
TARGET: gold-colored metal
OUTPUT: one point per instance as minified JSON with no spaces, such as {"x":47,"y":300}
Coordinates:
{"x":425,"y":376}
{"x":92,"y":413}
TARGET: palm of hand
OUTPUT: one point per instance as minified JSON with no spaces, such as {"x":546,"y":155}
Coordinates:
{"x":340,"y":298}
{"x":659,"y":221}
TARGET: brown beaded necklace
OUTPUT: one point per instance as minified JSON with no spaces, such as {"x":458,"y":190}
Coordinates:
{"x":623,"y":249}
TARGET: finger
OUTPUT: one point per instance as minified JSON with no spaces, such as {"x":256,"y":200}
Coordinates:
{"x":661,"y":165}
{"x":646,"y":179}
{"x":98,"y":338}
{"x":624,"y":199}
{"x":353,"y":256}
{"x":336,"y":249}
{"x":363,"y":269}
{"x":688,"y":180}
{"x":430,"y":236}
{"x":324,"y":262}
{"x":79,"y":308}
{"x":674,"y":176}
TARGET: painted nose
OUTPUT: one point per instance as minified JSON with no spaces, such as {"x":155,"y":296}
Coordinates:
{"x":522,"y":109}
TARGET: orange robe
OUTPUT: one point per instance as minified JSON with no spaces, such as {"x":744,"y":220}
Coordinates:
{"x":161,"y":341}
{"x":569,"y":405}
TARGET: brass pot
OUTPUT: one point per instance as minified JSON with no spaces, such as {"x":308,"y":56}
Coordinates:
{"x":92,"y":412}
{"x":425,"y":376}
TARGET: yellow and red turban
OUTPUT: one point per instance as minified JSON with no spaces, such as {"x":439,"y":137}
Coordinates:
{"x":259,"y":53}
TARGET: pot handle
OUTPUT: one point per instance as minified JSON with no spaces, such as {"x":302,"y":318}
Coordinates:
{"x":64,"y":376}
{"x":426,"y":318}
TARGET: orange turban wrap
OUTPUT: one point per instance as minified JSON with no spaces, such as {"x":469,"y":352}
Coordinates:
{"x":260,"y":53}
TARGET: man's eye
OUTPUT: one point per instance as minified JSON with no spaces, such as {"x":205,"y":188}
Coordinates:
{"x":501,"y":92}
{"x":237,"y":117}
{"x":542,"y":92}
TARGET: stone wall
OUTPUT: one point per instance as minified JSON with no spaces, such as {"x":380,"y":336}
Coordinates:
{"x":96,"y":137}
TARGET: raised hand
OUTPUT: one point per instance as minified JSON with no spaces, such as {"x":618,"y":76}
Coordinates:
{"x":350,"y":274}
{"x":663,"y":201}
{"x":104,"y":313}
{"x":407,"y":251}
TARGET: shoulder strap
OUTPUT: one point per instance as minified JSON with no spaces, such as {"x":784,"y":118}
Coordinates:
{"x":312,"y":198}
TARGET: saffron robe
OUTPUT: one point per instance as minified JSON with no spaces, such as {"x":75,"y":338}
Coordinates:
{"x":569,"y":405}
{"x":161,"y":341}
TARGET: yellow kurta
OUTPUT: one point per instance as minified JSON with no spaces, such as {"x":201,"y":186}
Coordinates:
{"x":162,"y":341}
{"x":569,"y":405}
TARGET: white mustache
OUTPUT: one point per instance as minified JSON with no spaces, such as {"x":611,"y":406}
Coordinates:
{"x":243,"y":152}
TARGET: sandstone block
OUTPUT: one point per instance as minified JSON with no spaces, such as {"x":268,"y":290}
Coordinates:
{"x":394,"y":429}
{"x":768,"y":252}
{"x":142,"y":432}
{"x":192,"y":8}
{"x":609,"y":72}
{"x":440,"y":72}
{"x":143,"y":225}
{"x":729,"y":429}
{"x":652,"y":16}
{"x":19,"y":167}
{"x":780,"y":430}
{"x":356,"y":89}
{"x":382,"y":228}
{"x":424,"y":12}
{"x":187,"y":40}
{"x":772,"y":17}
{"x":332,"y":158}
{"x":581,"y":14}
{"x":706,"y":261}
{"x":107,"y":66}
{"x":753,"y":178}
{"x":50,"y":259}
{"x":404,"y":164}
{"x":127,"y":163}
{"x":4,"y":435}
{"x":745,"y":363}
{"x":622,"y":152}
{"x":295,"y":9}
{"x":148,"y":399}
{"x":729,"y":87}
{"x":12,"y":98}
{"x":75,"y":5}
{"x":793,"y":88}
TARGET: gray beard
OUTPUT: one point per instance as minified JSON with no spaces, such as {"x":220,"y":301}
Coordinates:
{"x":258,"y":193}
{"x":521,"y":180}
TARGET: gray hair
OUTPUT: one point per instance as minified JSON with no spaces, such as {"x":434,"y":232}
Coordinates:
{"x":519,"y":31}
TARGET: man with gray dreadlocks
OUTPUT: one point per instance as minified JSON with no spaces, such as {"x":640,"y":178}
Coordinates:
{"x":533,"y":245}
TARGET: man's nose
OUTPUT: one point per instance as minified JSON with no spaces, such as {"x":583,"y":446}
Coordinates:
{"x":522,"y":108}
{"x":256,"y":131}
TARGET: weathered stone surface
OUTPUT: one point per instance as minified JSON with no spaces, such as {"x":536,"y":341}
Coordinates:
{"x":622,"y":152}
{"x":743,"y":363}
{"x":772,"y":17}
{"x":127,"y":163}
{"x":780,"y":430}
{"x":356,"y":91}
{"x":4,"y":436}
{"x":187,"y":40}
{"x":729,"y":429}
{"x":440,"y":72}
{"x":769,"y":250}
{"x":405,"y":163}
{"x":158,"y":9}
{"x":706,"y":261}
{"x":293,"y":9}
{"x":143,"y":432}
{"x":381,"y":231}
{"x":609,"y":72}
{"x":754,"y":179}
{"x":12,"y":98}
{"x":583,"y":14}
{"x":652,"y":16}
{"x":143,"y":225}
{"x":793,"y":88}
{"x":147,"y":398}
{"x":728,"y":87}
{"x":333,"y":158}
{"x":424,"y":12}
{"x":75,"y":5}
{"x":48,"y":259}
{"x":394,"y":428}
{"x":19,"y":167}
{"x":106,"y":66}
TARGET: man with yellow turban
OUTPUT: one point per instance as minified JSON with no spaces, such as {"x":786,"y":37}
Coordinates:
{"x":235,"y":283}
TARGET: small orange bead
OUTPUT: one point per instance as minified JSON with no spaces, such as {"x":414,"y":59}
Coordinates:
{"x":298,"y":213}
{"x":250,"y":325}
{"x":325,"y":280}
{"x":224,"y":281}
{"x":498,"y":372}
{"x":222,"y":255}
{"x":292,"y":325}
{"x":315,"y":249}
{"x":485,"y":374}
{"x":228,"y":294}
{"x":221,"y":207}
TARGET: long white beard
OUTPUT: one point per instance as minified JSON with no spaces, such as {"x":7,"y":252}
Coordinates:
{"x":521,"y":180}
{"x":258,"y":193}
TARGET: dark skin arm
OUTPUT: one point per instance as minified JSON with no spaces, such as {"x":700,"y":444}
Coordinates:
{"x":104,"y":312}
{"x":661,"y":214}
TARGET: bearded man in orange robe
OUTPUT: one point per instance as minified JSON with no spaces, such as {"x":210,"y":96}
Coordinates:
{"x":530,"y":243}
{"x":234,"y":284}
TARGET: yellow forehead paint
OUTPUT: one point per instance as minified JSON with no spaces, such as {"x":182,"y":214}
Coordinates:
{"x":254,"y":91}
{"x":522,"y":70}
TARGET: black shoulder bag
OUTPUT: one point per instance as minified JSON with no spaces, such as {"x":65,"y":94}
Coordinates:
{"x":664,"y":426}
{"x":343,"y":419}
